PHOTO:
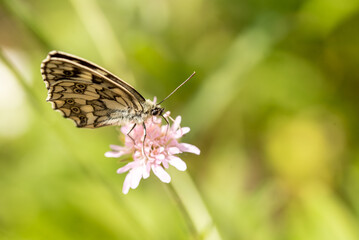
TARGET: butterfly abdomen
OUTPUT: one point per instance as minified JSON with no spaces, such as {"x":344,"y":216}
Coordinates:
{"x":125,"y":116}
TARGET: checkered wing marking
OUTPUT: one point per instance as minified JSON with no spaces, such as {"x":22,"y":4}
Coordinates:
{"x":87,"y":93}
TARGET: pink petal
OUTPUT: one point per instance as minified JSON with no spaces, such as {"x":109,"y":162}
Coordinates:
{"x":176,"y":123}
{"x":160,"y":157}
{"x":137,"y":156}
{"x":116,"y":147}
{"x":185,"y":130}
{"x":157,"y":120}
{"x":127,"y":167}
{"x":177,"y":163}
{"x":165,"y":129}
{"x":164,"y":140}
{"x":161,"y":173}
{"x":128,"y":142}
{"x":114,"y":154}
{"x":126,"y":184}
{"x":174,"y":150}
{"x":186,"y":147}
{"x":166,"y":114}
{"x":165,"y":164}
{"x":125,"y":129}
{"x":136,"y":177}
{"x":146,"y":172}
{"x":180,"y":132}
{"x":132,"y":179}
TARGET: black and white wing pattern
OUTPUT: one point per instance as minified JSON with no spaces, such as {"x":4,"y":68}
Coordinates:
{"x":86,"y":93}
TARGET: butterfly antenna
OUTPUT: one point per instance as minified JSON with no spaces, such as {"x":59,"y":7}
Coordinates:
{"x":177,"y":88}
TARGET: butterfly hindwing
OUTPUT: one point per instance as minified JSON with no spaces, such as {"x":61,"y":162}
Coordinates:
{"x":86,"y":93}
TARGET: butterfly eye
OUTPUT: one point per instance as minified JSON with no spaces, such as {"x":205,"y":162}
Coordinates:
{"x":78,"y":90}
{"x":70,"y":101}
{"x":156,"y":111}
{"x":75,"y":110}
{"x":80,"y":86}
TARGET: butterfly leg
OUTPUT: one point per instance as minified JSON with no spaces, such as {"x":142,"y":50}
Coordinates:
{"x":128,"y":134}
{"x":168,"y":124}
{"x":144,"y":139}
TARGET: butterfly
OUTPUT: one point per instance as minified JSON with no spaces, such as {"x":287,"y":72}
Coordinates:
{"x":92,"y":96}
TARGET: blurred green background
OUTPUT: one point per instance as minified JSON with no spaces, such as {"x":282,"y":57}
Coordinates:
{"x":273,"y":108}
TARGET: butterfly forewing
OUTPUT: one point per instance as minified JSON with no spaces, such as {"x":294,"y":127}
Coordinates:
{"x":86,"y":93}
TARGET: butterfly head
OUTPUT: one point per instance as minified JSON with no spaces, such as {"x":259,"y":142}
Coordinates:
{"x":157,"y":111}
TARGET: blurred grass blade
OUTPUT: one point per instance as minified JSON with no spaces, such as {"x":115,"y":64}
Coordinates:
{"x":102,"y":35}
{"x":30,"y":93}
{"x":194,"y":205}
{"x":19,"y":11}
{"x":247,"y":50}
{"x":328,"y":15}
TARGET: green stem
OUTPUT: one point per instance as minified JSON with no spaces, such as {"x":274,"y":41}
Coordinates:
{"x":183,"y":210}
{"x":198,"y":219}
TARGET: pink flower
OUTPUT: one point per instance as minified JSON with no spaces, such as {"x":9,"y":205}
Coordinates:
{"x":160,"y":149}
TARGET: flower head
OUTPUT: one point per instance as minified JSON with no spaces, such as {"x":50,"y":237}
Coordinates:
{"x":156,"y":153}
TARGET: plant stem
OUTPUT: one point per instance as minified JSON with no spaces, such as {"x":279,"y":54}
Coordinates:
{"x":183,"y":210}
{"x":197,"y":217}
